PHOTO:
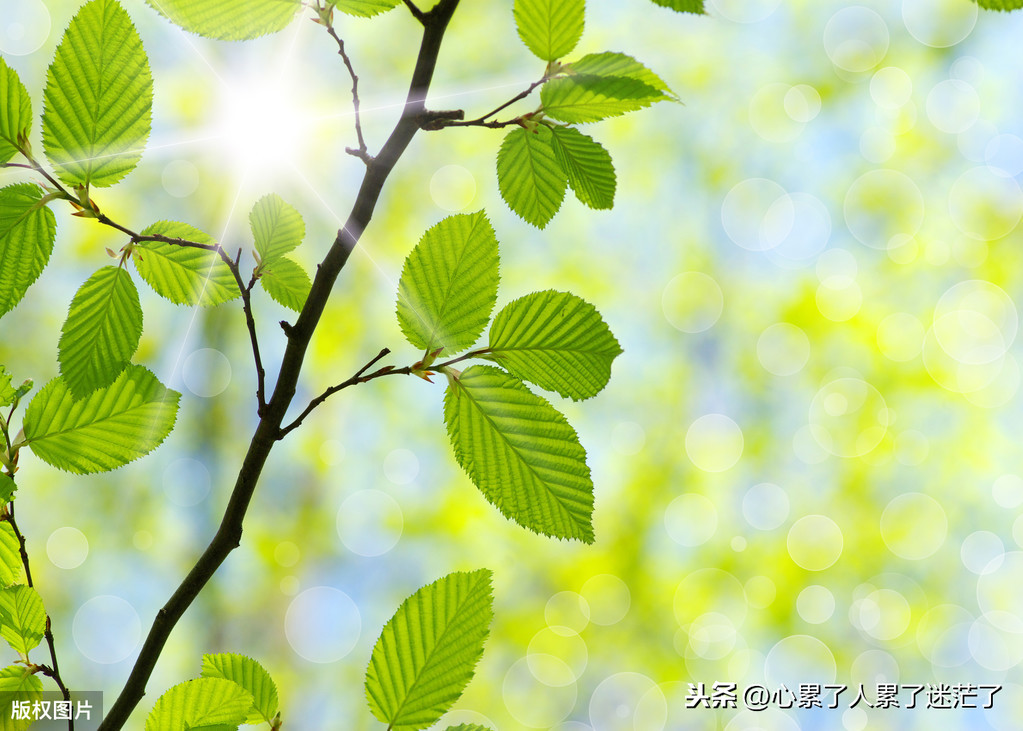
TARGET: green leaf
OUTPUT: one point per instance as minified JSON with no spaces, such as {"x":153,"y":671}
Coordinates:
{"x":97,"y":106}
{"x":520,"y":452}
{"x":7,"y":392}
{"x":683,"y":6}
{"x":101,"y":332}
{"x":229,"y":20}
{"x":588,"y":166}
{"x":557,"y":341}
{"x":1001,"y":4}
{"x":15,"y":112}
{"x":428,"y":650}
{"x":200,"y":703}
{"x":611,"y":63}
{"x":286,"y":282}
{"x":7,"y":488}
{"x":11,"y":568}
{"x":365,"y":8}
{"x":584,"y":98}
{"x":550,"y":28}
{"x":251,"y":676}
{"x":17,"y":683}
{"x":183,"y":274}
{"x":448,"y":285}
{"x":468,"y":727}
{"x":106,"y":430}
{"x":23,"y":618}
{"x":27,"y":231}
{"x":531,"y":181}
{"x":277,"y":227}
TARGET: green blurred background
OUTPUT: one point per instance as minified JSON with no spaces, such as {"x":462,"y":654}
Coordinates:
{"x":807,"y":464}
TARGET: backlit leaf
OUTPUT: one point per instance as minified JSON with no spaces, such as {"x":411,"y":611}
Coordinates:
{"x":200,"y":703}
{"x":101,"y":332}
{"x":531,"y":181}
{"x":183,"y":274}
{"x":251,"y":676}
{"x":97,"y":105}
{"x":18,"y":683}
{"x":365,"y":8}
{"x":11,"y":568}
{"x":520,"y":452}
{"x":106,"y":430}
{"x":448,"y":285}
{"x":585,"y":98}
{"x":287,"y":282}
{"x":550,"y":28}
{"x":229,"y":20}
{"x":683,"y":6}
{"x":611,"y":63}
{"x":588,"y":166}
{"x":15,"y":112}
{"x":27,"y":231}
{"x":277,"y":227}
{"x":22,"y":617}
{"x":557,"y":341}
{"x":1001,"y":4}
{"x":428,"y":650}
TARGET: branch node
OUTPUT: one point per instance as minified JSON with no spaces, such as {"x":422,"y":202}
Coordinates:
{"x":432,"y":121}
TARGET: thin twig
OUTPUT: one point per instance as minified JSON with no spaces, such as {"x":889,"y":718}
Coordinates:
{"x":228,"y":536}
{"x":362,"y":152}
{"x":485,"y":120}
{"x":52,"y":671}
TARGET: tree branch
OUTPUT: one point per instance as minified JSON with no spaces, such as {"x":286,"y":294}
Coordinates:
{"x":228,"y":535}
{"x":416,"y":12}
{"x":52,"y":671}
{"x":442,"y":121}
{"x":362,"y":152}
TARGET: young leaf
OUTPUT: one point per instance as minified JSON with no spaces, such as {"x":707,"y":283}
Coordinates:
{"x":611,"y":63}
{"x":588,"y":166}
{"x":229,"y":20}
{"x":1001,"y":4}
{"x":427,"y":652}
{"x":531,"y":181}
{"x":584,"y":98}
{"x":18,"y":683}
{"x":97,"y":106}
{"x":183,"y":274}
{"x":251,"y":676}
{"x":27,"y":231}
{"x":365,"y":8}
{"x":7,"y":392}
{"x":550,"y":28}
{"x":448,"y":285}
{"x":106,"y":430}
{"x":557,"y":341}
{"x":286,"y":282}
{"x":15,"y":112}
{"x":520,"y":452}
{"x":23,"y":618}
{"x":7,"y":488}
{"x":11,"y":568}
{"x":277,"y":227}
{"x":101,"y":332}
{"x":683,"y":6}
{"x":200,"y":703}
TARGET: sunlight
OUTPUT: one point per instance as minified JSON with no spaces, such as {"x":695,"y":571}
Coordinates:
{"x":263,"y":126}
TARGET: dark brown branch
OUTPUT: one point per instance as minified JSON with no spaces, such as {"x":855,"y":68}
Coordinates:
{"x":354,"y":380}
{"x":362,"y":152}
{"x":485,"y":120}
{"x":228,"y":536}
{"x":53,"y":670}
{"x":416,"y":12}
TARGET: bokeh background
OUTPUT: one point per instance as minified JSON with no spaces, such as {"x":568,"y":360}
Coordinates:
{"x":807,"y":463}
